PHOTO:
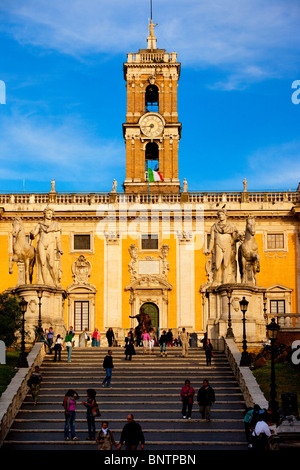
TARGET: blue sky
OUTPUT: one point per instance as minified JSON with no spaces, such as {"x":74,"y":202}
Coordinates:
{"x":62,"y":65}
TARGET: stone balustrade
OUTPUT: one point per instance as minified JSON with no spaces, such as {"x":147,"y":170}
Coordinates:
{"x":290,"y":197}
{"x":290,"y":321}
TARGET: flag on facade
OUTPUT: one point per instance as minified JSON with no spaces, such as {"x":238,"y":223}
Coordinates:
{"x":154,"y":175}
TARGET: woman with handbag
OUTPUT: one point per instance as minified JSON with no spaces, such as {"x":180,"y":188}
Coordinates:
{"x":92,"y":411}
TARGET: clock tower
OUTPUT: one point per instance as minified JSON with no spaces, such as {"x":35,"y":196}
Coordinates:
{"x":152,"y":130}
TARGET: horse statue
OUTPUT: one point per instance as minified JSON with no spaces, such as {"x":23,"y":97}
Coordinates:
{"x":23,"y":251}
{"x":248,"y":257}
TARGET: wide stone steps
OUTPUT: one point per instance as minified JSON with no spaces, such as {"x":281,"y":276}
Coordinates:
{"x":149,"y":387}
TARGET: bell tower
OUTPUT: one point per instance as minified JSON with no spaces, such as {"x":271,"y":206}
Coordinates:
{"x":152,"y":131}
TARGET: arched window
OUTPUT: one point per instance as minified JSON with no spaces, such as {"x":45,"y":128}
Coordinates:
{"x":151,"y":99}
{"x":152,"y":156}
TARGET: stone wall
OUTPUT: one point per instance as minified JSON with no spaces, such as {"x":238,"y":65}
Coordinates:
{"x":247,"y":382}
{"x":13,"y":397}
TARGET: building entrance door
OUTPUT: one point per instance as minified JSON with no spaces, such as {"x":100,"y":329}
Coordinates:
{"x":153,"y":313}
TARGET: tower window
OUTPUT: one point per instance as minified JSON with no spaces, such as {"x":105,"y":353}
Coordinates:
{"x":151,"y":99}
{"x":152,"y":156}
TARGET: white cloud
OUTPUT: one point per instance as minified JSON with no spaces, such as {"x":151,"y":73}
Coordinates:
{"x":240,"y":36}
{"x":37,"y":150}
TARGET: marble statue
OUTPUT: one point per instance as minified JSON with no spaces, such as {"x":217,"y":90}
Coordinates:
{"x":245,"y":185}
{"x":114,"y":186}
{"x":248,"y":257}
{"x":185,"y":185}
{"x":48,"y":250}
{"x":23,"y":251}
{"x":223,"y":239}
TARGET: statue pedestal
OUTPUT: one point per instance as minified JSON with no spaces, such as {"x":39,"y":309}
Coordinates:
{"x":216,"y":312}
{"x":50,"y":306}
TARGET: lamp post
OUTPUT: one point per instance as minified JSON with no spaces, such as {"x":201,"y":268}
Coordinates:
{"x":40,"y":295}
{"x":229,"y":333}
{"x":272,"y":331}
{"x":22,"y":361}
{"x":245,"y":359}
{"x":265,"y":306}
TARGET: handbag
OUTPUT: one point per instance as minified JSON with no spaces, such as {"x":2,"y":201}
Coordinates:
{"x":96,"y":411}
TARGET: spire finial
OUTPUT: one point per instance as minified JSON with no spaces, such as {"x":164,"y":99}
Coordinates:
{"x":151,"y":37}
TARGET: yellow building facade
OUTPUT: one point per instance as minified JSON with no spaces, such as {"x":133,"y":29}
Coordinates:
{"x":146,"y":247}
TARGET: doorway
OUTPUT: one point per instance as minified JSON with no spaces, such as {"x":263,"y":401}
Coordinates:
{"x":153,"y":312}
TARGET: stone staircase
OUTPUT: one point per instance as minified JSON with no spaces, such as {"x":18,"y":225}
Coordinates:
{"x":148,"y":387}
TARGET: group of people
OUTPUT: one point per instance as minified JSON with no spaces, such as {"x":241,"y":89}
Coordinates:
{"x":260,"y":424}
{"x":132,"y":434}
{"x":56,"y":345}
{"x":205,"y":399}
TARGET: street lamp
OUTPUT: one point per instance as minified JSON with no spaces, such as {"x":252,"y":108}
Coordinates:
{"x":229,"y":333}
{"x":22,"y":361}
{"x":40,"y":295}
{"x":265,"y":306}
{"x":272,"y":331}
{"x":245,"y":359}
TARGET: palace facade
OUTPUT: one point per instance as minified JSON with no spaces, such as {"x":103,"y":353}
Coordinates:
{"x":150,"y":246}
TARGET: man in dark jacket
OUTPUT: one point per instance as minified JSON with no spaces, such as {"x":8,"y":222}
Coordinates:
{"x":132,"y":435}
{"x":108,"y":367}
{"x":205,"y":398}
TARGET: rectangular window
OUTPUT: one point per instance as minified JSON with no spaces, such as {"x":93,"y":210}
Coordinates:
{"x":150,"y":242}
{"x":275,"y":241}
{"x":277,"y":306}
{"x":82,"y":242}
{"x":81,"y":315}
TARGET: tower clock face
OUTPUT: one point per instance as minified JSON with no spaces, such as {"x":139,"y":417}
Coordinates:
{"x":151,"y":125}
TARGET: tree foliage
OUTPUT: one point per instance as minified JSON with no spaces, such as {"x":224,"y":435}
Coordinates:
{"x":10,"y":318}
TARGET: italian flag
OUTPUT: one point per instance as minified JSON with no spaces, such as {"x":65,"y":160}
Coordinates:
{"x":154,"y":175}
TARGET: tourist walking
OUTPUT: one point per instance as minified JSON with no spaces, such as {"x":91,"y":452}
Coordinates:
{"x":163,"y":344}
{"x":105,"y":437}
{"x":132,"y":435}
{"x":129,"y":346}
{"x":50,"y":338}
{"x":187,"y":397}
{"x":86,"y":337}
{"x":68,"y":343}
{"x":110,"y":337}
{"x":69,"y":404}
{"x":57,"y":348}
{"x":96,"y":337}
{"x":208,"y":348}
{"x":108,"y":367}
{"x":145,"y":338}
{"x":206,"y":398}
{"x":34,"y":383}
{"x":169,"y":338}
{"x":151,"y":341}
{"x":91,"y":406}
{"x":184,"y":339}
